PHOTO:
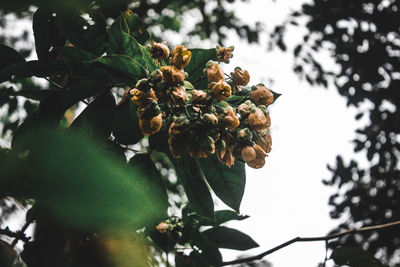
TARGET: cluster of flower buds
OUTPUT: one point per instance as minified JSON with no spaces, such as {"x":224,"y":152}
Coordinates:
{"x":226,"y":118}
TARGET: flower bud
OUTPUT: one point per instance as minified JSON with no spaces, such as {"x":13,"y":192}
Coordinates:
{"x":241,"y":77}
{"x":176,"y":146}
{"x":229,"y":119}
{"x":221,"y":90}
{"x":264,"y":140}
{"x":226,"y":157}
{"x":150,"y":126}
{"x":244,"y":134}
{"x":156,"y":76}
{"x":172,"y":74}
{"x":259,"y":161}
{"x":178,"y":95}
{"x":258,"y":120}
{"x":160,"y":51}
{"x":261,"y":95}
{"x":139,"y":97}
{"x":180,"y":56}
{"x":214,"y":73}
{"x":210,"y":119}
{"x":248,"y":153}
{"x":162,"y":227}
{"x":244,"y":109}
{"x":224,"y":54}
{"x":198,"y":95}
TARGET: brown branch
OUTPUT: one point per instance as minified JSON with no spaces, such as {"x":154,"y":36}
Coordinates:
{"x":310,"y":239}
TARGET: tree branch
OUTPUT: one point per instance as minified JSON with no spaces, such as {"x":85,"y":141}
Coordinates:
{"x":310,"y":239}
{"x":18,"y":235}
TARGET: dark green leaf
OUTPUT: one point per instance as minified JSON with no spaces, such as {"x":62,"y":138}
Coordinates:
{"x":123,"y":65}
{"x":9,"y":56}
{"x":81,"y":89}
{"x":91,"y":37}
{"x":31,"y":94}
{"x":197,"y":63}
{"x":222,"y":216}
{"x":130,"y":23}
{"x":126,"y":124}
{"x":354,"y":257}
{"x":73,"y":54}
{"x":42,"y":68}
{"x":94,"y":191}
{"x":227,"y":183}
{"x":209,"y":255}
{"x":150,"y":177}
{"x":191,"y":174}
{"x":122,"y":43}
{"x":224,"y":237}
{"x":45,"y":32}
{"x":7,"y":254}
{"x":97,"y":118}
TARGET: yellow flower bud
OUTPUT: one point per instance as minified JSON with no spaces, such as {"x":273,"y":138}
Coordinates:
{"x":224,"y":54}
{"x":180,"y":56}
{"x":221,"y":90}
{"x":241,"y":77}
{"x":172,"y":74}
{"x":214,"y":73}
{"x":150,"y":126}
{"x":160,"y":51}
{"x":262,"y":96}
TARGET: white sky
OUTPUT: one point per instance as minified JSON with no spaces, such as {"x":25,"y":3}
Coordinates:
{"x":310,"y":126}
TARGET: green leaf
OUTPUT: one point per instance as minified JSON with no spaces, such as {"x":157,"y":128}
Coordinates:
{"x":9,"y":56}
{"x":223,"y":216}
{"x":224,"y":237}
{"x":197,"y":64}
{"x":45,"y":33}
{"x":88,"y":36}
{"x":97,"y":118}
{"x":38,"y":68}
{"x":190,"y":172}
{"x":80,"y":185}
{"x":122,"y":43}
{"x":227,"y":183}
{"x":73,"y":54}
{"x":209,"y":255}
{"x":131,"y":24}
{"x":81,"y":89}
{"x":126,"y":124}
{"x":123,"y":65}
{"x":354,"y":257}
{"x":153,"y":184}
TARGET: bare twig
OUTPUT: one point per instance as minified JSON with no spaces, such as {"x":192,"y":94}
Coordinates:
{"x":18,"y":235}
{"x":309,"y":239}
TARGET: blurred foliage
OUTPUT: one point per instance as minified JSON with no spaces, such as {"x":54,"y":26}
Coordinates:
{"x":96,"y":192}
{"x":364,"y":40}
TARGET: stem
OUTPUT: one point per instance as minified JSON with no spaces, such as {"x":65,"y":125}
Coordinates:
{"x":310,"y":239}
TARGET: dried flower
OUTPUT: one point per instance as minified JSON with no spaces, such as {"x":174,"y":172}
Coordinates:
{"x":180,"y":56}
{"x":258,"y":120}
{"x":248,"y":153}
{"x":150,"y":126}
{"x":261,"y":95}
{"x":221,"y":90}
{"x":210,"y":118}
{"x":178,"y":95}
{"x":241,"y":77}
{"x":162,"y":227}
{"x":139,"y":97}
{"x":160,"y":51}
{"x":198,"y":95}
{"x":172,"y":74}
{"x":214,"y":72}
{"x":259,"y":161}
{"x":229,"y":119}
{"x":264,"y":140}
{"x":224,"y":54}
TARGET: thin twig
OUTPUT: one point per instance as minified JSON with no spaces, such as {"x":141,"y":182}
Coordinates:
{"x":21,"y":235}
{"x":309,"y":239}
{"x":18,"y":235}
{"x":54,"y":83}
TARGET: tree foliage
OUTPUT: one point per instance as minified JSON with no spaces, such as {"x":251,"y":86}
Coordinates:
{"x":93,"y":202}
{"x":363,"y":38}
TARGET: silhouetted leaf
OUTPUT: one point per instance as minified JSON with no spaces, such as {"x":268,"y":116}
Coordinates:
{"x":9,"y":56}
{"x":354,"y":257}
{"x":192,"y":176}
{"x":97,"y":118}
{"x":42,"y":68}
{"x":227,"y":183}
{"x":224,"y":237}
{"x":126,"y":124}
